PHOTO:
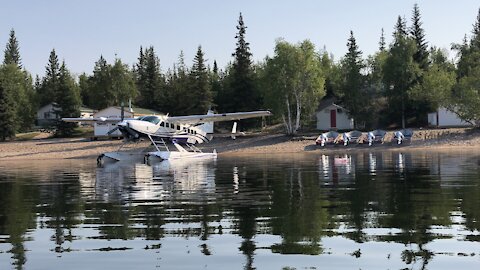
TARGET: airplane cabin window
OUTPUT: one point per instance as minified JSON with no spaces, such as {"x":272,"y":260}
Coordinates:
{"x":152,"y":119}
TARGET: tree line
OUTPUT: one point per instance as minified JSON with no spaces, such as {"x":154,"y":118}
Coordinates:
{"x":397,"y":86}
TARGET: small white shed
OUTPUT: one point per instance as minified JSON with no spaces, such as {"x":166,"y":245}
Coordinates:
{"x":101,"y":129}
{"x":445,"y":118}
{"x":48,"y":114}
{"x":331,"y":116}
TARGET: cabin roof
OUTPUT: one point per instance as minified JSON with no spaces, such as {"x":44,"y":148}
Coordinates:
{"x":327,"y":102}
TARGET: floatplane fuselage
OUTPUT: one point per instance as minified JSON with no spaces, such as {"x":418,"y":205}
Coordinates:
{"x":162,"y":130}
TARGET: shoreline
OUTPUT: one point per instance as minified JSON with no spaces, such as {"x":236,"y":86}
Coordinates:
{"x":450,"y":140}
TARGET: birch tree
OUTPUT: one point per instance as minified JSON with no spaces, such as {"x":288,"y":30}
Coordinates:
{"x":293,"y":82}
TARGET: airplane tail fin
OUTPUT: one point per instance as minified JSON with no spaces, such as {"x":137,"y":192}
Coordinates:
{"x":208,"y":126}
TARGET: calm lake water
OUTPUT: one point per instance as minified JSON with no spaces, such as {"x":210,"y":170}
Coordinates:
{"x":381,"y":210}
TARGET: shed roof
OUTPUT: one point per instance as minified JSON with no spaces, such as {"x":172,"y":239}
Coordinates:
{"x":327,"y":102}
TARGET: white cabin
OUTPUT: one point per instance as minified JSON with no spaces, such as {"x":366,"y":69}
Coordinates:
{"x":331,"y":116}
{"x":48,"y":114}
{"x":446,"y":118}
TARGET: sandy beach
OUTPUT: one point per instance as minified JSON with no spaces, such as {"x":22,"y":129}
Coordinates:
{"x":65,"y":148}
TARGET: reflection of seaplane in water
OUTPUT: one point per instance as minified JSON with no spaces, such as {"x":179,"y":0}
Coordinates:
{"x":183,"y":132}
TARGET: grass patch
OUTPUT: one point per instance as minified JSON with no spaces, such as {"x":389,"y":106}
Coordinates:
{"x":26,"y":136}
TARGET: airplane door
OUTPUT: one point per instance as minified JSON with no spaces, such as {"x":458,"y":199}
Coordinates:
{"x":333,"y":118}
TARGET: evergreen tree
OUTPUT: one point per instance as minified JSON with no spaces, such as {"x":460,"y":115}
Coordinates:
{"x":200,"y":96}
{"x":19,"y":84}
{"x":140,"y":78}
{"x":100,"y":85}
{"x":216,"y":83}
{"x":418,"y":35}
{"x":242,"y":86}
{"x":353,"y":96}
{"x":122,"y":83}
{"x":7,"y":114}
{"x":400,"y":73}
{"x":466,"y":91}
{"x":152,"y":93}
{"x":68,"y":101}
{"x":475,"y":42}
{"x":381,"y":43}
{"x":50,"y":82}
{"x":12,"y":52}
{"x":84,"y":88}
{"x":177,"y":87}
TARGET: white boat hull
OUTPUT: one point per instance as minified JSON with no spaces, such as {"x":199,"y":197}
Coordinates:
{"x":171,"y":155}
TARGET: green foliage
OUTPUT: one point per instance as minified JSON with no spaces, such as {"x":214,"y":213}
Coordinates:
{"x":122,"y":83}
{"x":68,"y":102}
{"x":243,"y":93}
{"x":352,"y":88}
{"x":50,"y":83}
{"x":149,"y":80}
{"x":7,"y":114}
{"x":467,"y":89}
{"x":418,"y":35}
{"x":19,"y":84}
{"x":400,"y":74}
{"x":436,"y":87}
{"x":437,"y":82}
{"x":200,"y":94}
{"x":109,"y":85}
{"x":12,"y":51}
{"x":293,"y":82}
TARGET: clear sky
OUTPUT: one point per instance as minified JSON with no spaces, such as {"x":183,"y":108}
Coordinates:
{"x":82,"y":30}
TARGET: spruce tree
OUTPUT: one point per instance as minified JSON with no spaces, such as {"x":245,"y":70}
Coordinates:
{"x":215,"y":82}
{"x":400,"y":74}
{"x":466,"y":91}
{"x":381,"y":43}
{"x":123,"y":85}
{"x":353,"y":82}
{"x":68,"y":101}
{"x":12,"y":52}
{"x":7,"y":114}
{"x":50,"y":82}
{"x":140,"y":78}
{"x":418,"y":35}
{"x":200,"y":96}
{"x":152,"y":93}
{"x":475,"y":42}
{"x":100,"y":85}
{"x":242,"y":83}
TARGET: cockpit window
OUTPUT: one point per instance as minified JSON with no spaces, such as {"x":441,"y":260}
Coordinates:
{"x":152,"y":119}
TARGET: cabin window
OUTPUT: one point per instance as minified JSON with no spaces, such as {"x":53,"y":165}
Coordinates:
{"x":179,"y":127}
{"x":152,"y":119}
{"x":162,"y":124}
{"x":46,"y":115}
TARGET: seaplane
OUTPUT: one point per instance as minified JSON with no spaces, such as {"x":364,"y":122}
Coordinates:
{"x":164,"y":131}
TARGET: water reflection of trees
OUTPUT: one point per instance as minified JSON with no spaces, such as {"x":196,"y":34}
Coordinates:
{"x":301,"y":202}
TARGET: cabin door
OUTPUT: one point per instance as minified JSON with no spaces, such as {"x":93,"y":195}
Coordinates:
{"x":333,"y":118}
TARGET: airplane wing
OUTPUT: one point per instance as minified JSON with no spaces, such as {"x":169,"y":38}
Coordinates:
{"x":195,"y":119}
{"x":95,"y":119}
